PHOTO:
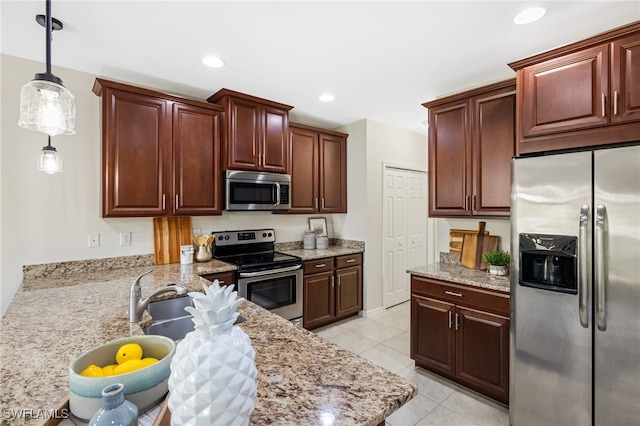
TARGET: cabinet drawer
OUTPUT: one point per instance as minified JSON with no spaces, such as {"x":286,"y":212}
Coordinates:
{"x":318,"y":265}
{"x":462,"y":295}
{"x":224,"y":278}
{"x":348,"y":260}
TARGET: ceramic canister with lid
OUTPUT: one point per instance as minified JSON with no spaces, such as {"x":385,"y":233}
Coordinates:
{"x":309,"y":240}
{"x":322,"y":242}
{"x":186,"y":255}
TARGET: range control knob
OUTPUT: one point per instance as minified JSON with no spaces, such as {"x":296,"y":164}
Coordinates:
{"x":226,"y":237}
{"x":264,"y":235}
{"x":270,"y":234}
{"x":220,"y":238}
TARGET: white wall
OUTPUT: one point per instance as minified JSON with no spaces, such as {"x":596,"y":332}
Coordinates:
{"x":47,"y":218}
{"x":381,"y":144}
{"x":500,"y":227}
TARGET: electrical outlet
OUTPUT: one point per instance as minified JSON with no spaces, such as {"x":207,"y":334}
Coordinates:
{"x":125,"y":238}
{"x":94,"y":240}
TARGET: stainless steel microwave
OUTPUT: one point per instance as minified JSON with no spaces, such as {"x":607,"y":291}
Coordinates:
{"x":257,"y":190}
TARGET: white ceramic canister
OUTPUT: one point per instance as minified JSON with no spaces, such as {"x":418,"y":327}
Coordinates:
{"x":186,"y":255}
{"x":322,"y":242}
{"x":309,"y":241}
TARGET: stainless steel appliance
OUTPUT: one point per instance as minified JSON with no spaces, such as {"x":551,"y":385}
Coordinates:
{"x":257,"y":190}
{"x":266,"y":277}
{"x":575,"y":289}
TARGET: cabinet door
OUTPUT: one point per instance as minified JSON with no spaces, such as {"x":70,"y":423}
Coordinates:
{"x":196,"y":161}
{"x":134,"y":141}
{"x":482,"y":351}
{"x":348,"y":290}
{"x":625,"y":80}
{"x":493,"y":145}
{"x":333,"y":174}
{"x":566,"y":93}
{"x":304,"y":171}
{"x":449,"y":160}
{"x":243,"y":134}
{"x":319,"y":299}
{"x":224,"y":278}
{"x":274,"y":149}
{"x":433,"y":337}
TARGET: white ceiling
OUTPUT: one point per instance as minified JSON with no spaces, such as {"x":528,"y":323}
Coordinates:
{"x":381,"y":60}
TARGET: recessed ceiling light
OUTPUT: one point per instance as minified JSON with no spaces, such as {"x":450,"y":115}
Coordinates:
{"x":529,"y":15}
{"x":213,"y":62}
{"x":326,"y":97}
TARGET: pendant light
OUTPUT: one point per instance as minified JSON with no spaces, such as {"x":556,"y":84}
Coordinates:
{"x":45,"y":104}
{"x":50,"y":161}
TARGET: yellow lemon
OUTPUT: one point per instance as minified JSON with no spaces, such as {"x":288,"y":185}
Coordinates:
{"x":129,"y":366}
{"x":128,"y":352}
{"x":92,"y":371}
{"x":108,"y":370}
{"x":150,"y":360}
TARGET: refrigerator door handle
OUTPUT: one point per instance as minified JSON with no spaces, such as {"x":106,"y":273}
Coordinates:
{"x":583,"y":265}
{"x":600,"y":273}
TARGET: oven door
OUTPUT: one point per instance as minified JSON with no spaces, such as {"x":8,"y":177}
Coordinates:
{"x":278,"y":290}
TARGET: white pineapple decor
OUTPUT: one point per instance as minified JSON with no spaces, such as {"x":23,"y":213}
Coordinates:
{"x":213,"y":372}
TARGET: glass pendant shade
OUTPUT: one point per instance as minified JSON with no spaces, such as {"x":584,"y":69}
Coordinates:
{"x":47,"y":107}
{"x":50,"y":161}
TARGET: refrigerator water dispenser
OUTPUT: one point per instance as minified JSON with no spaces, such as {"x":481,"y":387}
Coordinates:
{"x":549,"y":262}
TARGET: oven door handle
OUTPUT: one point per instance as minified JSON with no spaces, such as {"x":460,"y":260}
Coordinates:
{"x":269,"y":272}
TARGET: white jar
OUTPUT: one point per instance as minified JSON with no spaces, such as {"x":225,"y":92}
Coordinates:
{"x":309,"y":241}
{"x":186,"y":255}
{"x":322,"y":243}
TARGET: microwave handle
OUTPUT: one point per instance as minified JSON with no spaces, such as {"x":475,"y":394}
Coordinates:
{"x":277,"y":186}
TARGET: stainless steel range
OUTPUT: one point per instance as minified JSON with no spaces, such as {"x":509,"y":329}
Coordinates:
{"x":266,"y":277}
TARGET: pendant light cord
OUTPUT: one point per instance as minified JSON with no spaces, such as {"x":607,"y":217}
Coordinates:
{"x":49,"y":35}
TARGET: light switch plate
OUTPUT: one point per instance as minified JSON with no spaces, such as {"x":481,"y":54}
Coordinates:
{"x":94,"y":240}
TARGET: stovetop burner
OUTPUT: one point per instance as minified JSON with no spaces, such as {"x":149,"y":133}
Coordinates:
{"x":251,"y":250}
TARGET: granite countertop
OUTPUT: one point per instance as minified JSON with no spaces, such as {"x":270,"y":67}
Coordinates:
{"x":448,"y":269}
{"x":336,"y":248}
{"x":301,"y":376}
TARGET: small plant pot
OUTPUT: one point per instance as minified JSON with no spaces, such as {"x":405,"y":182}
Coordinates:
{"x":498,"y":270}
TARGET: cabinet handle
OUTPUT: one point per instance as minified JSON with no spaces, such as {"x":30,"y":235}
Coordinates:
{"x":466,"y":202}
{"x":321,"y":265}
{"x":615,"y":102}
{"x":338,"y":280}
{"x":450,"y":319}
{"x":163,"y":196}
{"x":323,"y":202}
{"x":350,"y":260}
{"x":457,"y":319}
{"x":451,"y":293}
{"x":475,"y":203}
{"x":332,"y":282}
{"x":176,"y":201}
{"x":604,"y":113}
{"x":220,"y":281}
{"x":316,"y":204}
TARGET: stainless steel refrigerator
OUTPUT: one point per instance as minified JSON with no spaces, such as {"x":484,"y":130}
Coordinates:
{"x":575,"y":289}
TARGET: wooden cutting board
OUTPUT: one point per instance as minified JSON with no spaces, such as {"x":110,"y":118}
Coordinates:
{"x":456,"y":239}
{"x":472,"y":246}
{"x":169,"y":233}
{"x":490,"y":243}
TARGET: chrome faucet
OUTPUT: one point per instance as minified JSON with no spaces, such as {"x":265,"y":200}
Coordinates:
{"x":137,"y":305}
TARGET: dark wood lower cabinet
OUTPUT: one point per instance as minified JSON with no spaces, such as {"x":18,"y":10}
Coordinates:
{"x":462,"y":333}
{"x":332,"y":290}
{"x":224,"y":278}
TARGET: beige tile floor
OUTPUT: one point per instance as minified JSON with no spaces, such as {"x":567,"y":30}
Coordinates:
{"x":383,"y":339}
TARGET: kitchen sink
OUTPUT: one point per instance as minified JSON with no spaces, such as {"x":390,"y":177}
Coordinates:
{"x":171,"y":320}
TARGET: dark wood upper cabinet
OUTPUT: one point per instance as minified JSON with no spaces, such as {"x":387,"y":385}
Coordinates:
{"x":583,"y":94}
{"x":471,"y":143}
{"x":318,"y":170}
{"x":160,"y":153}
{"x":255,"y":132}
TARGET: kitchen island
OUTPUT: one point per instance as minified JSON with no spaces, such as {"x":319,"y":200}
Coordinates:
{"x":302,"y":378}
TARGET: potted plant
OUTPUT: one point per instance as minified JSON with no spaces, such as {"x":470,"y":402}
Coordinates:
{"x":498,"y":261}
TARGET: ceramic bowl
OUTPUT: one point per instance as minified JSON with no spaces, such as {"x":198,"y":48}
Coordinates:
{"x":145,"y":387}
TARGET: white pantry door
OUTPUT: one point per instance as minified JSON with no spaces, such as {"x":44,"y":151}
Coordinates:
{"x":404,"y":219}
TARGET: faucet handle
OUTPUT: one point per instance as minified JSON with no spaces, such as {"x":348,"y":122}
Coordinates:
{"x":135,"y":288}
